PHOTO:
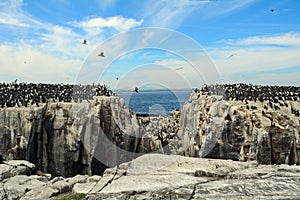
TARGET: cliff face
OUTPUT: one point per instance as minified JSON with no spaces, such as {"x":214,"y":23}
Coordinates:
{"x":66,"y":139}
{"x":264,"y":131}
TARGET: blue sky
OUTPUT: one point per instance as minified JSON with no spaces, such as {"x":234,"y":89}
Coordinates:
{"x":237,"y":41}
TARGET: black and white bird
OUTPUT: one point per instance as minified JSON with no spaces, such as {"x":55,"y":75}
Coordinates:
{"x":136,"y":89}
{"x":84,"y":42}
{"x":101,"y":54}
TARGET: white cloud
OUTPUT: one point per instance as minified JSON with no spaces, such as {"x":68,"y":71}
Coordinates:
{"x":150,"y":74}
{"x":29,"y":64}
{"x":12,"y":21}
{"x":94,"y":26}
{"x":259,"y":55}
{"x":63,"y":42}
{"x":10,"y":12}
{"x":56,"y":52}
{"x":290,"y":39}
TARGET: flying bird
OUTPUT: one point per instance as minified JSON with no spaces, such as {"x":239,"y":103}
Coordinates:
{"x":101,"y":54}
{"x":231,"y":55}
{"x":25,"y":62}
{"x":117,"y":78}
{"x":84,"y":42}
{"x":272,"y":10}
{"x":136,"y":89}
{"x":179,"y":68}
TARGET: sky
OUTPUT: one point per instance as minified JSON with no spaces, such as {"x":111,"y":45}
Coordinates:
{"x":150,"y":43}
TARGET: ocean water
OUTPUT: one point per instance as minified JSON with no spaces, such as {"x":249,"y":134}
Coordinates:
{"x":155,"y":102}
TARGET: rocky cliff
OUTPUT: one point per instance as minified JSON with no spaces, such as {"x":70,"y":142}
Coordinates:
{"x":101,"y":135}
{"x":66,"y":139}
{"x":265,"y":131}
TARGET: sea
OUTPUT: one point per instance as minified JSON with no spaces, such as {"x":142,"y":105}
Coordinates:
{"x":155,"y":102}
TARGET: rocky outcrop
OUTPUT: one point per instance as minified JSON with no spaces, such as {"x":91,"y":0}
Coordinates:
{"x":15,"y":167}
{"x":240,"y":130}
{"x":159,"y":176}
{"x":66,"y":139}
{"x":19,"y":181}
{"x":159,"y":133}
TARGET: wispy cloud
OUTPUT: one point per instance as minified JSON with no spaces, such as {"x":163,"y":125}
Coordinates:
{"x":103,"y":4}
{"x":257,"y":57}
{"x":27,"y":63}
{"x":171,"y":14}
{"x":219,"y":8}
{"x":286,"y":39}
{"x":12,"y":14}
{"x":63,"y":42}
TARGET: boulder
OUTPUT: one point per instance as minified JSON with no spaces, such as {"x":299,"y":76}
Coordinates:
{"x":62,"y":186}
{"x":83,"y":188}
{"x":15,"y":187}
{"x":40,"y":193}
{"x":15,"y":167}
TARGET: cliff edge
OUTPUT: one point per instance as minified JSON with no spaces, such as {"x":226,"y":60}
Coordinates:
{"x":66,"y":139}
{"x":265,"y":131}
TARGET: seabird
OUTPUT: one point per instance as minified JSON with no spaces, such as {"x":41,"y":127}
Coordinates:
{"x":84,"y":42}
{"x":179,"y":68}
{"x":272,"y":10}
{"x":117,"y":78}
{"x":101,"y":54}
{"x":231,"y":55}
{"x":136,"y":89}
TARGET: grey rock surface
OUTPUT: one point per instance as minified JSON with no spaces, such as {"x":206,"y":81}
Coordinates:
{"x":159,"y":176}
{"x":149,"y":177}
{"x":15,"y":167}
{"x":240,"y":130}
{"x":66,"y":139}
